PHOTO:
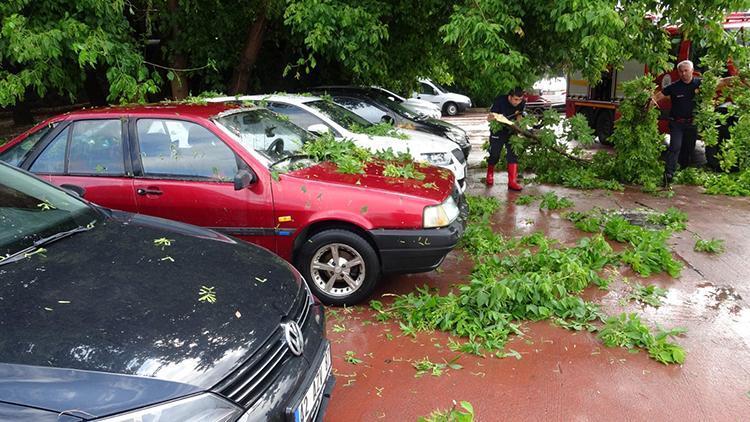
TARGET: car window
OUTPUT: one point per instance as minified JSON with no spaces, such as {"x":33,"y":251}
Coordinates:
{"x":426,"y":89}
{"x":52,"y":159}
{"x":297,"y":115}
{"x":16,"y":154}
{"x":181,"y":149}
{"x":361,"y":108}
{"x":96,"y":148}
{"x":265,"y":132}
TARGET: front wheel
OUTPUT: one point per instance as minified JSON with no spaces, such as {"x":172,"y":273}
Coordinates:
{"x":451,"y":109}
{"x":340,"y":266}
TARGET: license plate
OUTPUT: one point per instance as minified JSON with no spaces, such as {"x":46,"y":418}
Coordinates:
{"x":308,"y":406}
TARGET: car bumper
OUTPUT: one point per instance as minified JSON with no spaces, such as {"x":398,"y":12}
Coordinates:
{"x":416,"y":251}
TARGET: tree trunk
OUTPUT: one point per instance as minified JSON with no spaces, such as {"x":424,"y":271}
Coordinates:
{"x":179,"y":84}
{"x":96,"y":95}
{"x":242,"y":72}
{"x":22,"y":113}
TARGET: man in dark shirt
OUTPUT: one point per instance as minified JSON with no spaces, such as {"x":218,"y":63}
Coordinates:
{"x":510,"y":106}
{"x":682,"y":131}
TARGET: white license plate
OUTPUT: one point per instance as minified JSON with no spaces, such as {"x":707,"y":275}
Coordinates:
{"x":308,"y":406}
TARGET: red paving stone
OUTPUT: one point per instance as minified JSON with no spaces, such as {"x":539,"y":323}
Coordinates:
{"x":565,"y":375}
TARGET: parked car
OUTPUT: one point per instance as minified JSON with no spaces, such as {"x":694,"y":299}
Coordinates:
{"x":375,"y":107}
{"x":414,"y":105}
{"x":114,"y":316}
{"x":318,"y":115}
{"x":450,"y":103}
{"x":237,"y":170}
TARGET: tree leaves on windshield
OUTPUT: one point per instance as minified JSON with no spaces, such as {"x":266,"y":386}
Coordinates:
{"x":352,"y":159}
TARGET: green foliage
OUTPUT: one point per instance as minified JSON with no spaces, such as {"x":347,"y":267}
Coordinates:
{"x":351,"y":357}
{"x":51,"y":48}
{"x":207,"y":294}
{"x":403,"y":171}
{"x":713,"y":246}
{"x":627,"y":330}
{"x":650,"y":295}
{"x":351,"y":159}
{"x":380,"y":129}
{"x":673,"y":219}
{"x":551,"y":201}
{"x":436,"y":369}
{"x":637,"y":140}
{"x":525,"y":199}
{"x":729,"y":184}
{"x":481,"y":207}
{"x":465,"y":414}
{"x":648,"y":252}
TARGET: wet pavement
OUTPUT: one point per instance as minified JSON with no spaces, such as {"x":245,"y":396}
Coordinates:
{"x":565,"y":375}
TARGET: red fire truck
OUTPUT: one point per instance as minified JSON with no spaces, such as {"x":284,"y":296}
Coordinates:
{"x":600,"y":102}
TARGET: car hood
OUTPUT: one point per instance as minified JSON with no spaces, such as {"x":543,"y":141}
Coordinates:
{"x":417,"y":142}
{"x":437,"y":184}
{"x":447,"y":125}
{"x":118,"y":300}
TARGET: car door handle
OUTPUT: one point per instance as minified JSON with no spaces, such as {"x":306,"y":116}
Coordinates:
{"x":142,"y":192}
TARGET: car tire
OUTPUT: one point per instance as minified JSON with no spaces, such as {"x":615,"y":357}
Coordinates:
{"x":342,"y":284}
{"x":451,"y":109}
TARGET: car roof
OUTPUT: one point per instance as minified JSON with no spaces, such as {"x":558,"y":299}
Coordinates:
{"x":199,"y":110}
{"x":285,"y":98}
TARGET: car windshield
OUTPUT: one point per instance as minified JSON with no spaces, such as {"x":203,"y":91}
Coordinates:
{"x":438,"y":86}
{"x":31,"y":210}
{"x":398,"y":108}
{"x":270,"y":135}
{"x":338,"y":114}
{"x":382,"y":91}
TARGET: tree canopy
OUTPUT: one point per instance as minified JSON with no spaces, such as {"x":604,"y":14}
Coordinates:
{"x":486,"y":46}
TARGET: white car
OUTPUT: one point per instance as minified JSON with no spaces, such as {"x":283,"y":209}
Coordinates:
{"x":319,"y":116}
{"x":418,"y":106}
{"x":450,"y":103}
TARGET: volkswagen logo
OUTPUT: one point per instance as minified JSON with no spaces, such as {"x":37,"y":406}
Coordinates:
{"x":293,"y":337}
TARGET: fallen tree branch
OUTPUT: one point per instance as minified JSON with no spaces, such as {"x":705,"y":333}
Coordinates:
{"x":535,"y":138}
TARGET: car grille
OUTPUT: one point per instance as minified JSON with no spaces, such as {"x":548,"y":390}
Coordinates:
{"x":248,"y":382}
{"x":459,"y":155}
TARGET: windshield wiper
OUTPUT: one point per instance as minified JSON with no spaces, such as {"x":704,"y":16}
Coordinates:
{"x":289,"y":157}
{"x":45,"y":241}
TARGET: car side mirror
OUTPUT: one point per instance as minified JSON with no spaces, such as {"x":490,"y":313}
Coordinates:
{"x":243,"y":179}
{"x":318,"y":129}
{"x":76,"y":190}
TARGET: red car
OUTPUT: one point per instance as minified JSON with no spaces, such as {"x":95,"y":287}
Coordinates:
{"x":237,"y":170}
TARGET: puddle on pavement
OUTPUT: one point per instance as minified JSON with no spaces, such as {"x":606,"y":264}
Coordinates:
{"x":718,"y":297}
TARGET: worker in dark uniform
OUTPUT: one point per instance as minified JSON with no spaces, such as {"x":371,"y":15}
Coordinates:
{"x":682,"y":130}
{"x":510,"y":106}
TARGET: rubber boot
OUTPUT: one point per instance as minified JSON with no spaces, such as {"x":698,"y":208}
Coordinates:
{"x":512,"y":176}
{"x":490,"y":175}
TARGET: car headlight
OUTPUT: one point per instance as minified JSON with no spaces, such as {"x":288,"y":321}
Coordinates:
{"x":204,"y":407}
{"x":438,"y":158}
{"x":458,"y":137}
{"x":440,"y":215}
